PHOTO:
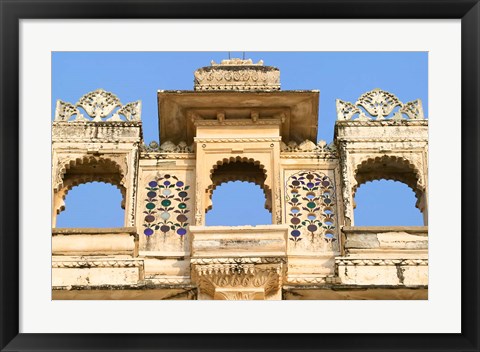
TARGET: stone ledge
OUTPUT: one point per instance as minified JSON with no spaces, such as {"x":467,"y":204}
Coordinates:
{"x":92,"y":231}
{"x":420,"y":230}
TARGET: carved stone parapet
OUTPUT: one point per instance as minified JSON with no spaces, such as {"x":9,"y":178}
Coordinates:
{"x":237,"y":75}
{"x":308,"y":149}
{"x":98,"y":105}
{"x":167,"y":148}
{"x":379,"y":104}
{"x":89,"y":131}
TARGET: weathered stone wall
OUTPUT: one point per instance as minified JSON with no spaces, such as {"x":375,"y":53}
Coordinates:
{"x":312,"y":250}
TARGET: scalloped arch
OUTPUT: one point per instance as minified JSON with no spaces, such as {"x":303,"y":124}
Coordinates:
{"x":87,"y":161}
{"x":217,"y":180}
{"x":396,"y":168}
{"x":78,"y":181}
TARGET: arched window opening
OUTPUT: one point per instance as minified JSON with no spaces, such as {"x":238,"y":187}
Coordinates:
{"x":386,"y":203}
{"x":94,"y":204}
{"x":238,"y":203}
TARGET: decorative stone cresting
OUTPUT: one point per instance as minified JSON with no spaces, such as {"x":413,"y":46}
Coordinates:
{"x":237,"y":75}
{"x":167,"y":147}
{"x":379,"y":104}
{"x":98,"y":105}
{"x":308,"y":149}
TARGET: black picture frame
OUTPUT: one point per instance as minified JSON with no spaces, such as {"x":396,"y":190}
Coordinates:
{"x":12,"y":11}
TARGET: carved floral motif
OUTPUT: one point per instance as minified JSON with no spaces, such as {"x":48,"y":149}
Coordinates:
{"x":379,"y":104}
{"x":98,"y":105}
{"x":239,"y":279}
{"x":311,"y":197}
{"x":166,"y":206}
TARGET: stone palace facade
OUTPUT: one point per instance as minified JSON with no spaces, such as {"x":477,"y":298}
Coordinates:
{"x":237,"y":124}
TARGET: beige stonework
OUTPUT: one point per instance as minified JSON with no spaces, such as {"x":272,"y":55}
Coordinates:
{"x":237,"y":124}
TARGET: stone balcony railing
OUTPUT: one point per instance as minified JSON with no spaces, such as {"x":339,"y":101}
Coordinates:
{"x":94,"y":241}
{"x":238,"y":241}
{"x":386,"y":240}
{"x":387,"y":256}
{"x":95,"y":257}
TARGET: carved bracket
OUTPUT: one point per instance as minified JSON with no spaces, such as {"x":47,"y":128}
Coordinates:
{"x":239,"y":281}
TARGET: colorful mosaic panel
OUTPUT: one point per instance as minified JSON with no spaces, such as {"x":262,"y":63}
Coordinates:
{"x":311,"y":200}
{"x":166,"y":206}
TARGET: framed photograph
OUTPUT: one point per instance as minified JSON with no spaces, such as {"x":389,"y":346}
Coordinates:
{"x":276,"y":94}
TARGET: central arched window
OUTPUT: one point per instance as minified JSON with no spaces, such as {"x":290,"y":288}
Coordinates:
{"x":238,"y":203}
{"x":238,"y":194}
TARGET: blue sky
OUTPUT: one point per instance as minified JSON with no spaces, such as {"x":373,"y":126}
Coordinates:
{"x":138,"y":75}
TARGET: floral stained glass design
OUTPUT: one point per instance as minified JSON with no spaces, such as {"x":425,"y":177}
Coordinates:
{"x":166,"y":206}
{"x":311,"y":208}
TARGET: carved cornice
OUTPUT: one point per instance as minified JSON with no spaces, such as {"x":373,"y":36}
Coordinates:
{"x":312,"y":155}
{"x":313,"y":280}
{"x":114,"y":263}
{"x":119,"y":124}
{"x":96,"y":132}
{"x":376,"y":123}
{"x":355,"y":142}
{"x":380,"y":262}
{"x":245,"y":122}
{"x":379,"y":104}
{"x":98,"y":105}
{"x":184,"y":280}
{"x":243,"y":260}
{"x":236,"y":140}
{"x":149,"y":155}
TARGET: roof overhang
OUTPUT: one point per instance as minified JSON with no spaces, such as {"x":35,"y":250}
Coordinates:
{"x":297,"y":111}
